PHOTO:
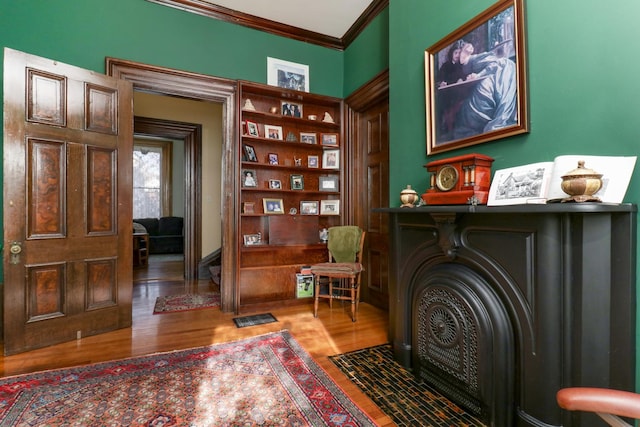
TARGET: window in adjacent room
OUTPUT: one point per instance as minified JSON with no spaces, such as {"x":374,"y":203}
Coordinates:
{"x":151,"y":179}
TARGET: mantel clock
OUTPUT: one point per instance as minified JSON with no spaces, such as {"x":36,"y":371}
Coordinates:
{"x":459,"y":180}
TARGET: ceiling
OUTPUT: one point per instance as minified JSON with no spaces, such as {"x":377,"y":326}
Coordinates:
{"x":329,"y":17}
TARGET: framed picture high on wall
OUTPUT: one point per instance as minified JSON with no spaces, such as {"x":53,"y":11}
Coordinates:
{"x":475,"y":77}
{"x":288,"y":75}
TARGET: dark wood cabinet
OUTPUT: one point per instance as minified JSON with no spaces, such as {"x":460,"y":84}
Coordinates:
{"x":291,"y":180}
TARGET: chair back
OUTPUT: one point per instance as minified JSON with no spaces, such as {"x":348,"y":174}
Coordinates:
{"x":345,"y":243}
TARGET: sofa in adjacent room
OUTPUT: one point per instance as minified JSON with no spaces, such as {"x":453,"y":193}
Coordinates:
{"x":166,"y":234}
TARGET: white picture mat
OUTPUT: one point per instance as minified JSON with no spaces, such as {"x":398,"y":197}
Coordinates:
{"x":279,"y":69}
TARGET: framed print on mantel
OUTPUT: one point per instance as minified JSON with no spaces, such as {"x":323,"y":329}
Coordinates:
{"x":476,"y":89}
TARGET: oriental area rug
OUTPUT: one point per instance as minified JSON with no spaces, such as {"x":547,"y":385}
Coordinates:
{"x":264,"y":380}
{"x":407,"y":401}
{"x":185,"y":302}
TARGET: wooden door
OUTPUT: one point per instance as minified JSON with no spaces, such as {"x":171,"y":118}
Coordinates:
{"x":369,"y":187}
{"x":67,"y":202}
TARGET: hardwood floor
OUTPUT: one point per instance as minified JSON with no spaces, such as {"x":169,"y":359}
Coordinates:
{"x":331,"y":333}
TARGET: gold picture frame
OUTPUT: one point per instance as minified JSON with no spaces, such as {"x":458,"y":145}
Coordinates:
{"x":475,"y":81}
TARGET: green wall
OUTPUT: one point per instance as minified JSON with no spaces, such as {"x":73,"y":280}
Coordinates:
{"x":84,"y":32}
{"x":368,"y":55}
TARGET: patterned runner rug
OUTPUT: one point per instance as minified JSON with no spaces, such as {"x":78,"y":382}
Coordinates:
{"x":397,"y":393}
{"x":184,"y":302}
{"x":264,"y":380}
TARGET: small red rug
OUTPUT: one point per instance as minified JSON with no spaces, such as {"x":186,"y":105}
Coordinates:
{"x":185,"y":302}
{"x":264,"y":380}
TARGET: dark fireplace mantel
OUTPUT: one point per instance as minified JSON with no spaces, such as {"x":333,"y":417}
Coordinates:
{"x":546,"y":292}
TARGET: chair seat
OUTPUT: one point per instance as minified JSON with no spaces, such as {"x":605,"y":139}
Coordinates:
{"x":327,"y":268}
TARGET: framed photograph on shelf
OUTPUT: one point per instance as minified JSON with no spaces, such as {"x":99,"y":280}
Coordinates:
{"x":331,"y":159}
{"x":273,"y":132}
{"x":275,"y":184}
{"x":249,"y":178}
{"x":297,"y":182}
{"x":476,"y":87}
{"x":247,"y":208}
{"x":252,"y":128}
{"x":312,"y":162}
{"x":330,"y":139}
{"x":291,"y":109}
{"x":308,"y":138}
{"x":252,"y":239}
{"x":309,"y":207}
{"x":272,"y":206}
{"x":288,"y":75}
{"x":250,"y":153}
{"x":328,"y":183}
{"x":273,"y":159}
{"x":329,"y":207}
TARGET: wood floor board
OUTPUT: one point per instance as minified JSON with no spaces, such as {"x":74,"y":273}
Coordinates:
{"x":332,"y":332}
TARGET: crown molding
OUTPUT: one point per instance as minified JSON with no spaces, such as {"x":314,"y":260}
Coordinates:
{"x":232,"y":16}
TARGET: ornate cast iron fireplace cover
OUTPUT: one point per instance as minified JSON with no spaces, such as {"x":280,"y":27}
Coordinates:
{"x":500,"y":307}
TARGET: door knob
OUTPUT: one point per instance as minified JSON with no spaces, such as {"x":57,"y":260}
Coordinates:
{"x":15,"y":249}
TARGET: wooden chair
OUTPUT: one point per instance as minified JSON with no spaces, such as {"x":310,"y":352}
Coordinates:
{"x":342,"y":273}
{"x":609,"y":404}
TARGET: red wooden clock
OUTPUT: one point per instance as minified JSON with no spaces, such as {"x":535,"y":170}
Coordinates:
{"x":459,"y":180}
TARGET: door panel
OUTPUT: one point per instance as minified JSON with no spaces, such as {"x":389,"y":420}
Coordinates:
{"x":374,"y":129}
{"x":67,"y":211}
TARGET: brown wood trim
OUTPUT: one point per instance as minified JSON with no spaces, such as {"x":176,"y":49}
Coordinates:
{"x":365,"y":19}
{"x":167,"y":81}
{"x":233,"y":16}
{"x":373,"y":91}
{"x":251,"y":21}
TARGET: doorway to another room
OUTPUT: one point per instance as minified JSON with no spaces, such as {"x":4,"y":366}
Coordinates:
{"x":171,"y":192}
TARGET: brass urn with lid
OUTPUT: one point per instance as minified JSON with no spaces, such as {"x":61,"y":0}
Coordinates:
{"x":408,"y":197}
{"x":581,"y":184}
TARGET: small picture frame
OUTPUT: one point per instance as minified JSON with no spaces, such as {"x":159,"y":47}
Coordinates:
{"x":297,"y":182}
{"x":273,"y":206}
{"x":308,"y":138}
{"x":309,"y":207}
{"x":273,"y":159}
{"x":329,"y":207}
{"x":312,"y":162}
{"x":252,"y":239}
{"x":291,"y":109}
{"x":252,"y":128}
{"x":250,"y":153}
{"x":249,"y":178}
{"x":275,"y":184}
{"x":329,"y":139}
{"x":273,"y":132}
{"x":248,"y":208}
{"x":328,"y":183}
{"x":304,"y":285}
{"x":331,"y":159}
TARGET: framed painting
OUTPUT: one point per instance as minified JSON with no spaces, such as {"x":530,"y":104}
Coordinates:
{"x":475,"y":79}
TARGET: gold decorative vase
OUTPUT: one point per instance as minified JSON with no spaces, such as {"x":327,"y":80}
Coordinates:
{"x":408,"y":197}
{"x":581,"y":184}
